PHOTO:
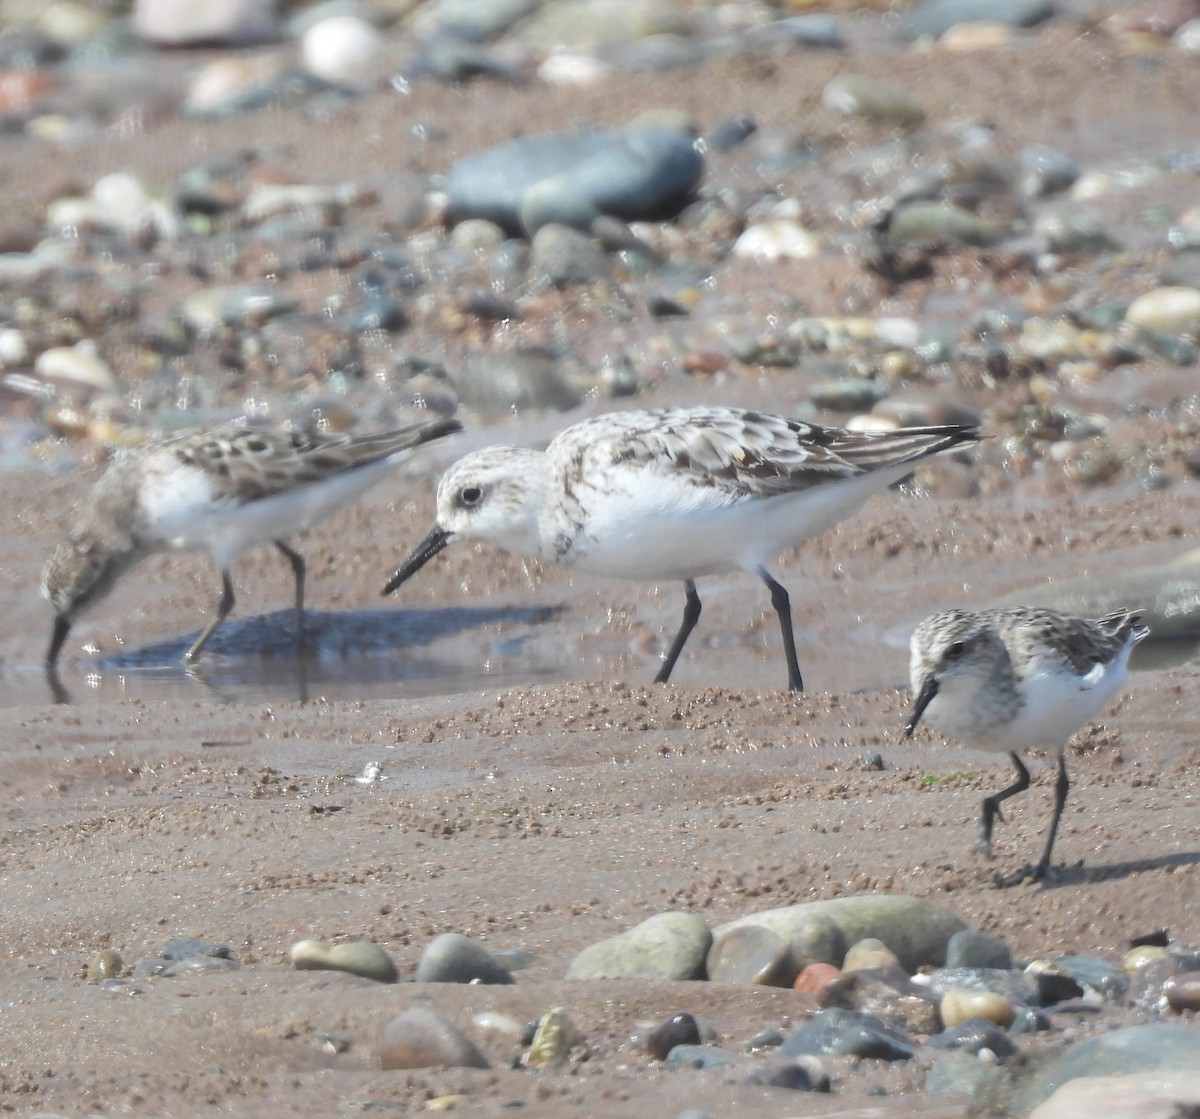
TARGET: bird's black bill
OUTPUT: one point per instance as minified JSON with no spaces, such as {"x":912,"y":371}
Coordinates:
{"x":62,"y":626}
{"x":437,"y":539}
{"x":923,"y":699}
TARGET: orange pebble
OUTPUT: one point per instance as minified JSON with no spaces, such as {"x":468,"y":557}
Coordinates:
{"x":815,"y":976}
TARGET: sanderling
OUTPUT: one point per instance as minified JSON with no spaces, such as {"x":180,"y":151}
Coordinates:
{"x":674,"y":494}
{"x":1007,"y":679}
{"x":224,"y":491}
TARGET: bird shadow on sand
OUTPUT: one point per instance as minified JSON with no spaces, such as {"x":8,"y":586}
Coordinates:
{"x":1083,"y":874}
{"x":388,"y":651}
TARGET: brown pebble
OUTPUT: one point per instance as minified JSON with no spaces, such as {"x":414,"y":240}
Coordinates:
{"x":679,"y":1029}
{"x":815,"y":976}
{"x":1183,"y":991}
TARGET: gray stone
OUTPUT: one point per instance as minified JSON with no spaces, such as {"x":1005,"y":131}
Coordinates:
{"x":1151,"y":1095}
{"x":973,"y":1035}
{"x":934,"y":18}
{"x":847,"y":394}
{"x":856,"y":95}
{"x":1108,"y":979}
{"x":454,"y":958}
{"x":422,"y":1038}
{"x":1157,"y":1048}
{"x":572,"y":179}
{"x":1046,"y":171}
{"x":888,"y":994}
{"x":1017,"y":986}
{"x":1182,"y":270}
{"x":181,"y":949}
{"x":956,"y":1072}
{"x":705,"y":1056}
{"x":848,"y":1033}
{"x":915,"y":929}
{"x":666,"y":946}
{"x":359,"y":957}
{"x":750,"y":954}
{"x":970,"y":948}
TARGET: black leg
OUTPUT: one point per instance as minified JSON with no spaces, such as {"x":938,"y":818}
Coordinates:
{"x":783,"y":608}
{"x":691,"y":615}
{"x":991,"y":805}
{"x":223,"y":609}
{"x":1061,"y":786}
{"x":297,"y":562}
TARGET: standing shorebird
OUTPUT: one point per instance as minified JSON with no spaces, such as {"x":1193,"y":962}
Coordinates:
{"x":223,"y":491}
{"x":677,"y":493}
{"x":1007,"y":679}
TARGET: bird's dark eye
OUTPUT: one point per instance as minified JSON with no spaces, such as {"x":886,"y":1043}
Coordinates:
{"x":956,"y":650}
{"x":470,"y":495}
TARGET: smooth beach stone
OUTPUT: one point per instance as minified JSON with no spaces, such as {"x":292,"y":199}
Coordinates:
{"x":750,"y":954}
{"x":915,"y":929}
{"x":183,"y":947}
{"x":647,"y":175}
{"x":234,"y":305}
{"x":1173,"y":310}
{"x":933,"y":18}
{"x":849,"y":394}
{"x":1150,"y":1095}
{"x":79,"y":368}
{"x":870,"y":953}
{"x":1046,"y":170}
{"x":679,"y":1029}
{"x":959,"y":1005}
{"x":856,"y":95}
{"x":454,"y":958}
{"x":345,"y":51}
{"x":1182,"y":269}
{"x":1183,"y":991}
{"x":228,"y":22}
{"x":199,"y":965}
{"x":971,"y":948}
{"x":423,"y":1038}
{"x":941,"y":223}
{"x":360,"y":957}
{"x":848,"y":1033}
{"x":815,"y":977}
{"x":106,"y":964}
{"x":1142,"y":956}
{"x":666,"y":946}
{"x":957,"y":1072}
{"x":498,"y":383}
{"x":1158,"y":1048}
{"x":472,"y":19}
{"x":974,"y":1034}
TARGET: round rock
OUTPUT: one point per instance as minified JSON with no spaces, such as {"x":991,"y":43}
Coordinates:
{"x":360,"y":957}
{"x":454,"y":958}
{"x":666,"y":946}
{"x":422,"y":1038}
{"x":752,"y":955}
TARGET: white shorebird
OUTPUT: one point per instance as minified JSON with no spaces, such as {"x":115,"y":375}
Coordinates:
{"x":1007,"y":679}
{"x":676,"y":493}
{"x":223,"y":491}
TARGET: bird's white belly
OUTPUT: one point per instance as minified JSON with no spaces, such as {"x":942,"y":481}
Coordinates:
{"x":656,"y":527}
{"x":184,"y":512}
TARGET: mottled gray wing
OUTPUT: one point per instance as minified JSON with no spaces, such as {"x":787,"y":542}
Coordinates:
{"x":260,"y":462}
{"x":1082,"y":643}
{"x":743,"y":453}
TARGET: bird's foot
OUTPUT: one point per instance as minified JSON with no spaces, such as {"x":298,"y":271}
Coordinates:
{"x":1028,"y":873}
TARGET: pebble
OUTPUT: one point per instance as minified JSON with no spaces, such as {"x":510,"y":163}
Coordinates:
{"x":975,"y":1034}
{"x":344,"y":50}
{"x":933,"y":18}
{"x":857,"y":95}
{"x":79,"y":368}
{"x":1108,"y":980}
{"x":915,"y":929}
{"x":779,"y":239}
{"x":941,"y":223}
{"x":869,"y":953}
{"x":1174,"y":310}
{"x":359,"y":957}
{"x":971,"y":948}
{"x":960,"y":1005}
{"x":1046,"y":171}
{"x":199,"y":965}
{"x":104,"y":965}
{"x":665,"y":946}
{"x":423,"y":1038}
{"x":679,"y":1029}
{"x":1142,"y":956}
{"x":1016,"y":986}
{"x":750,"y":955}
{"x":1160,"y":1047}
{"x":645,"y":175}
{"x":454,"y":958}
{"x":815,"y":977}
{"x":1182,"y":991}
{"x":888,"y":994}
{"x":231,"y":22}
{"x":1145,"y":1095}
{"x":848,"y":1033}
{"x":185,"y":947}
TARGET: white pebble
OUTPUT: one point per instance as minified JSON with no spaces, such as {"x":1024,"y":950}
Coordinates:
{"x":13,"y":348}
{"x":777,"y":240}
{"x":1170,"y":309}
{"x":345,"y":51}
